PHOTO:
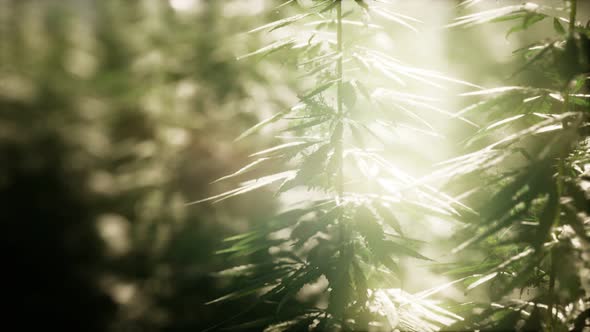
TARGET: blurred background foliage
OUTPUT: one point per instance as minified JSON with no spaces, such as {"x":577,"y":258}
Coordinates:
{"x":115,"y":114}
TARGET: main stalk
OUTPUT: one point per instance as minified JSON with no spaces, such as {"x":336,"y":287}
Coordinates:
{"x":560,"y":173}
{"x":340,"y":132}
{"x":340,"y":282}
{"x":573,"y":12}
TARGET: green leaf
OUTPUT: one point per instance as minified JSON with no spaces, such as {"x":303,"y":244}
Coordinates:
{"x":340,"y":283}
{"x":264,"y":321}
{"x":482,"y":280}
{"x":360,"y":283}
{"x":362,"y":4}
{"x":248,"y":186}
{"x":328,"y":56}
{"x":356,"y":134}
{"x":362,"y":89}
{"x":348,"y":95}
{"x":285,"y":146}
{"x":538,"y":56}
{"x":395,"y":17}
{"x":300,"y":323}
{"x":310,"y":274}
{"x":513,"y":16}
{"x":308,"y":124}
{"x":319,"y":89}
{"x":306,"y":229}
{"x":280,"y":23}
{"x":326,"y":66}
{"x":495,"y":91}
{"x":241,"y":236}
{"x":246,"y":249}
{"x":388,"y":217}
{"x":286,"y":3}
{"x":367,"y":226}
{"x":465,"y":269}
{"x":235,"y":295}
{"x":429,"y":292}
{"x":243,"y":169}
{"x":330,"y":6}
{"x":528,"y":20}
{"x":313,"y":165}
{"x":260,"y":125}
{"x":558,"y":27}
{"x":502,"y":14}
{"x":404,"y":250}
{"x":504,"y":121}
{"x":548,"y":216}
{"x":274,"y":47}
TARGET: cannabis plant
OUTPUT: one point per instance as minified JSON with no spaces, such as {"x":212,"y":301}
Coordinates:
{"x":533,"y":158}
{"x":332,"y":261}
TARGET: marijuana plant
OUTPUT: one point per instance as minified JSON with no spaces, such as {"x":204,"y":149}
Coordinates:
{"x":348,"y":236}
{"x":534,"y":226}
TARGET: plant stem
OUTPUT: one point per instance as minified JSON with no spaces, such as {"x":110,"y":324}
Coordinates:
{"x":340,"y":291}
{"x":573,"y":12}
{"x":339,"y":147}
{"x":553,"y":256}
{"x":344,"y":232}
{"x":550,"y":306}
{"x":559,"y":179}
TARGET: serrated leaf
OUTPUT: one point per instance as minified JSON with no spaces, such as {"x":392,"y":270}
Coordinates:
{"x":558,"y":27}
{"x":280,"y":23}
{"x":394,"y":17}
{"x":310,"y":274}
{"x":300,"y":323}
{"x":309,"y":124}
{"x":278,"y":45}
{"x":234,"y":295}
{"x":264,"y":321}
{"x":314,"y":163}
{"x":330,"y":6}
{"x":362,"y":4}
{"x":356,"y":134}
{"x":318,"y":69}
{"x":241,"y":236}
{"x":494,"y":91}
{"x":248,"y":248}
{"x":470,"y":269}
{"x":368,"y":227}
{"x":329,"y":22}
{"x":247,"y":187}
{"x":505,"y":13}
{"x":504,"y":121}
{"x":260,"y":125}
{"x":437,"y":289}
{"x":319,"y":89}
{"x":404,"y":250}
{"x":328,"y":56}
{"x":387,"y":216}
{"x":527,"y":21}
{"x":243,"y":169}
{"x":469,"y":3}
{"x":360,"y":283}
{"x":281,"y":147}
{"x":286,"y":3}
{"x":482,"y":280}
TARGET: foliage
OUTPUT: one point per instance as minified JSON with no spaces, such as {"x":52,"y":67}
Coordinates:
{"x":104,"y":108}
{"x":114,"y":114}
{"x":346,"y":239}
{"x":533,"y":225}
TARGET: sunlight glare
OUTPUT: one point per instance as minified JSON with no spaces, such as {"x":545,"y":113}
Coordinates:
{"x":183,"y":5}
